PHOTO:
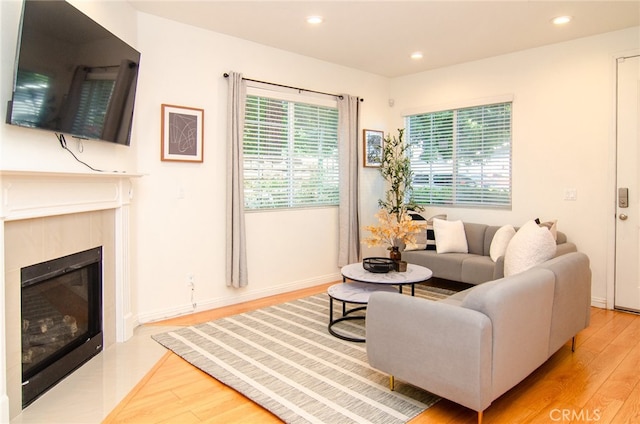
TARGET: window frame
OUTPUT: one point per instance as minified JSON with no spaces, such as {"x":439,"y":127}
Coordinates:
{"x":480,"y":194}
{"x":268,"y":92}
{"x":30,"y":115}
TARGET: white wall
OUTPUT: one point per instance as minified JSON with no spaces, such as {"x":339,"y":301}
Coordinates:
{"x":183,"y":65}
{"x":563,"y":122}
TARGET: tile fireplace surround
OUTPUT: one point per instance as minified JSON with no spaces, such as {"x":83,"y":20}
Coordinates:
{"x":45,"y":215}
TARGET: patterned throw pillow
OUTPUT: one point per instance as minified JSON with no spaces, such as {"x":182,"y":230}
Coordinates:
{"x":426,"y":240}
{"x":421,"y":238}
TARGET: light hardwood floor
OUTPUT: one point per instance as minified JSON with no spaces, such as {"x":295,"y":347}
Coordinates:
{"x":598,"y":383}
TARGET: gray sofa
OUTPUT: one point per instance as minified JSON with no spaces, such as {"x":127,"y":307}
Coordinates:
{"x":476,"y":266}
{"x":476,"y":345}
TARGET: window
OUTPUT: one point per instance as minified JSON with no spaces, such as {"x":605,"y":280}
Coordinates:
{"x":29,"y":103}
{"x":462,"y":156}
{"x":290,"y":154}
{"x":92,"y":108}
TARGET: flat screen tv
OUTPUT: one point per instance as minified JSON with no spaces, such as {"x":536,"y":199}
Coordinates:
{"x":72,"y":75}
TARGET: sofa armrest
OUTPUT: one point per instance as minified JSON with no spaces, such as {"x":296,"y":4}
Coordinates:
{"x":561,"y":249}
{"x":442,"y":348}
{"x":564,"y":248}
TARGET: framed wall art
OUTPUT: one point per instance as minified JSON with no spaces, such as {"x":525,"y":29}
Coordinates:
{"x":182,"y":134}
{"x":373,"y":144}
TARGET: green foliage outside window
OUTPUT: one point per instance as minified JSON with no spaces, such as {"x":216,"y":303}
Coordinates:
{"x":290,"y":154}
{"x":462,"y":157}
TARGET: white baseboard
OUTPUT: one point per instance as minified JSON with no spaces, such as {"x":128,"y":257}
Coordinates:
{"x":207,"y":304}
{"x":598,"y":302}
{"x":4,"y":408}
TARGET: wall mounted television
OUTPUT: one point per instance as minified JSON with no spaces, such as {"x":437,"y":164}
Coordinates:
{"x":72,"y":75}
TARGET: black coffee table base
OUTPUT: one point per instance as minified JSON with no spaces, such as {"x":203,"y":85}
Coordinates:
{"x":355,"y":294}
{"x":345,"y":317}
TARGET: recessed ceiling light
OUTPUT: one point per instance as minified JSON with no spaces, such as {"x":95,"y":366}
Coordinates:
{"x":561,"y":20}
{"x":416,"y":55}
{"x":314,"y":20}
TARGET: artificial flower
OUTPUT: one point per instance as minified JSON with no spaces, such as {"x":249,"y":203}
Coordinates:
{"x":392,"y":231}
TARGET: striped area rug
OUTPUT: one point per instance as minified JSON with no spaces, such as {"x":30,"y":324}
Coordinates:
{"x":283,"y":358}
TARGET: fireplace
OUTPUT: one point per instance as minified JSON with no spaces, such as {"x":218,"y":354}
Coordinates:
{"x":61,"y":312}
{"x":50,"y":214}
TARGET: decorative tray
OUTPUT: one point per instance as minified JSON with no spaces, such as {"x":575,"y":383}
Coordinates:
{"x":378,"y":265}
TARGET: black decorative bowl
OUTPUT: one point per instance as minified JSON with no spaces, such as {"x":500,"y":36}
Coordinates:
{"x":378,"y":265}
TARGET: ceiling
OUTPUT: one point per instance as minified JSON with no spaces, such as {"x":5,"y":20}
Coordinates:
{"x":379,"y":36}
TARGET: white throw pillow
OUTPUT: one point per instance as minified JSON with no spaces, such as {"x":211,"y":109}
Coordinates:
{"x":500,"y":241}
{"x":530,"y":246}
{"x":450,"y":236}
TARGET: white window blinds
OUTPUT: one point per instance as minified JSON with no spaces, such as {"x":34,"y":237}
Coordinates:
{"x":29,"y":106}
{"x":462,"y":156}
{"x":290,"y":154}
{"x":93,"y":104}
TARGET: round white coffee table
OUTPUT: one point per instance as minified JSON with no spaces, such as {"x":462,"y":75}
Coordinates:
{"x":414,"y":274}
{"x":357,"y":286}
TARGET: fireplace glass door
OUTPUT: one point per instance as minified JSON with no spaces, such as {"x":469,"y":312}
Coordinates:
{"x":61,"y":313}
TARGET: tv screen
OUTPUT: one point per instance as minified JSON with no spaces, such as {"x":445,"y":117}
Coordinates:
{"x":72,"y":75}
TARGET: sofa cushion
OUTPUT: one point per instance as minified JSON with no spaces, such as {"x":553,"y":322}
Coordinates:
{"x":488,"y":238}
{"x":500,"y":241}
{"x":477,"y":269}
{"x":530,"y":246}
{"x":447,"y":266}
{"x":450,"y":236}
{"x":475,"y":234}
{"x":456,"y":299}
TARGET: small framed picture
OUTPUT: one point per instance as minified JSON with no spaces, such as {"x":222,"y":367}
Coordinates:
{"x":373,"y":144}
{"x":182,"y":133}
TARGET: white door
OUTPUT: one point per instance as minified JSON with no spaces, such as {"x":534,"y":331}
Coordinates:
{"x":627,"y":280}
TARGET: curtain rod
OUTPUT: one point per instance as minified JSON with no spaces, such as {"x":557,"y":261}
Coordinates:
{"x":226,"y":75}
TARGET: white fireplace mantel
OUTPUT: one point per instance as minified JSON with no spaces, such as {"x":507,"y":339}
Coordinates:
{"x":37,"y":194}
{"x":32,"y":194}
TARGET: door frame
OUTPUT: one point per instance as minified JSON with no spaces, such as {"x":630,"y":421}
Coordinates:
{"x":612,"y":223}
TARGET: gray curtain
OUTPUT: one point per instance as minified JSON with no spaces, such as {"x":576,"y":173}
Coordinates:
{"x":236,"y":269}
{"x":349,"y":220}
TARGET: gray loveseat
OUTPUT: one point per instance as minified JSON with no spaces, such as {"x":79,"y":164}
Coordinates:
{"x":476,"y":266}
{"x":476,"y":345}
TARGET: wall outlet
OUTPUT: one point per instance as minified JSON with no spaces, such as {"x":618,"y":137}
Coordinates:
{"x":191,"y":283}
{"x":570,"y":194}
